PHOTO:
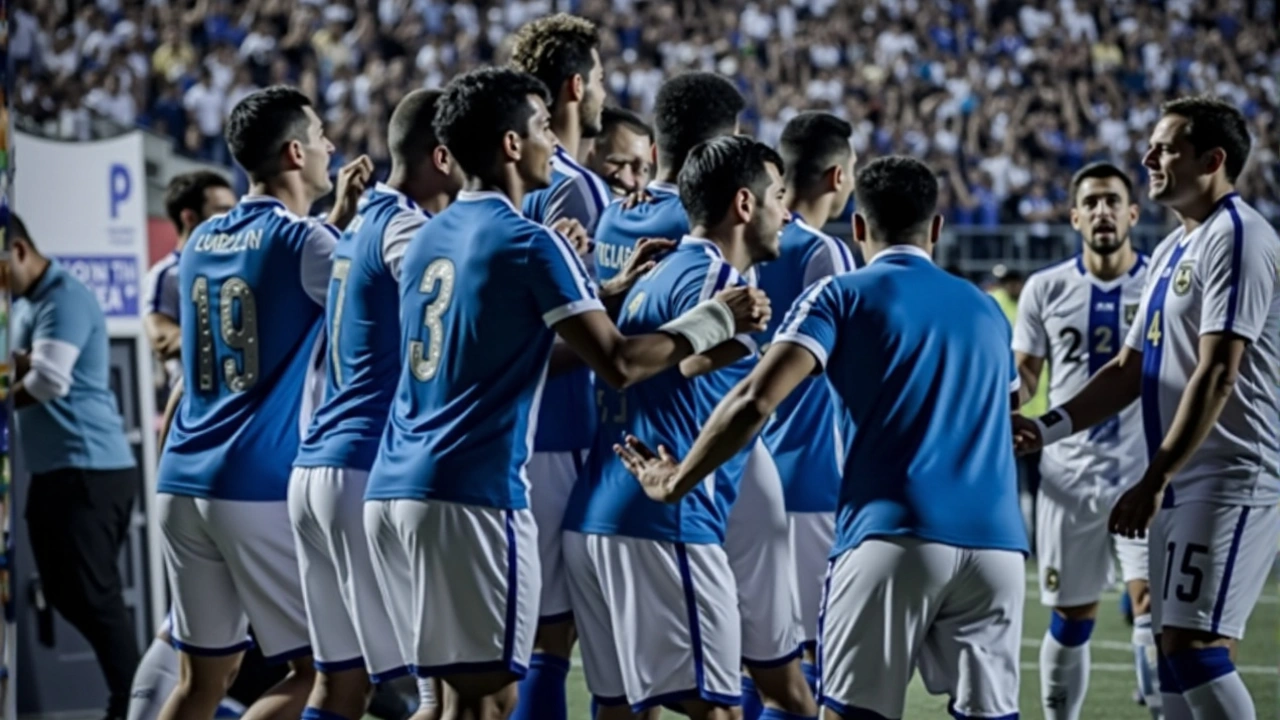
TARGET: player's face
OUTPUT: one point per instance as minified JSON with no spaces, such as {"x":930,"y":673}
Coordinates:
{"x":1103,"y":214}
{"x":1176,"y":172}
{"x":622,"y":158}
{"x":537,"y":147}
{"x":593,"y":99}
{"x":315,"y":157}
{"x":217,"y":200}
{"x":765,"y":229}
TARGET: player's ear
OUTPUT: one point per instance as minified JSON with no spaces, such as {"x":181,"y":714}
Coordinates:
{"x":292,"y":155}
{"x":1213,"y":160}
{"x":189,"y":219}
{"x":653,"y":154}
{"x":859,"y":228}
{"x":1134,"y":212}
{"x":1075,"y":219}
{"x":935,"y":230}
{"x":835,"y":178}
{"x":511,"y":146}
{"x":442,"y":160}
{"x":577,"y":88}
{"x":744,"y":204}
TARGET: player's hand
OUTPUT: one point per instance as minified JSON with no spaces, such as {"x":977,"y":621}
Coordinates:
{"x":1026,"y":436}
{"x":636,"y":197}
{"x":655,"y":471}
{"x":1136,"y":508}
{"x":644,"y":258}
{"x":572,"y":229}
{"x":353,"y":178}
{"x":750,"y":307}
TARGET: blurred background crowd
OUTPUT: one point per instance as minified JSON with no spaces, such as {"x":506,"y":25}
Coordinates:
{"x":1003,"y":98}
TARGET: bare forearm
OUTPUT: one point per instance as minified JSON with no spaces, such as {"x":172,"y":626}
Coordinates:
{"x":612,"y":294}
{"x":642,"y":356}
{"x":563,"y":360}
{"x":736,"y":420}
{"x":1202,"y":402}
{"x":1108,"y":392}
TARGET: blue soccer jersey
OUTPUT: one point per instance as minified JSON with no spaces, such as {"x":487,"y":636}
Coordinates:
{"x":566,"y":421}
{"x":361,"y":317}
{"x":480,"y":288}
{"x":252,"y":284}
{"x":621,"y":230}
{"x":666,"y":409}
{"x":919,"y":362}
{"x":802,"y":435}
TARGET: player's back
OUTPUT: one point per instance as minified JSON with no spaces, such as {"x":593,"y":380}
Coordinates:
{"x":667,"y":409}
{"x":480,"y":287}
{"x":361,"y":316}
{"x":248,"y":331}
{"x":621,"y":229}
{"x":921,"y":366}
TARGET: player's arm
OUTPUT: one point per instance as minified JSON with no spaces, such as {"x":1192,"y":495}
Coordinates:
{"x":164,"y":335}
{"x":1030,"y":339}
{"x":161,"y":319}
{"x":1029,"y":368}
{"x":170,"y":410}
{"x":351,"y":182}
{"x":45,"y":374}
{"x":1110,"y":390}
{"x":720,"y":356}
{"x":316,"y":259}
{"x":614,"y":291}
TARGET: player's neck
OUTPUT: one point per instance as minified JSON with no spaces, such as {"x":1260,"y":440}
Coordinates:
{"x":181,"y":242}
{"x":568,"y":130}
{"x":288,"y":190}
{"x":731,"y":243}
{"x":1110,"y":267}
{"x":420,"y":190}
{"x":1197,"y":210}
{"x":508,"y":184}
{"x":815,"y":211}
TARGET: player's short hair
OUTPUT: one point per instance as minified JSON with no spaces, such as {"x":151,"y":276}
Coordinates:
{"x":186,"y":192}
{"x":812,"y":143}
{"x":612,"y":117}
{"x":480,"y":107}
{"x":897,"y":195}
{"x":262,"y":123}
{"x":554,"y":49}
{"x":1214,"y":123}
{"x":18,"y":230}
{"x":1100,"y":171}
{"x":716,"y":169}
{"x":411,"y":133}
{"x":690,"y":109}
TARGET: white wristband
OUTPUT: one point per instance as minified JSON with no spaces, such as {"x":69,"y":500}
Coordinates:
{"x":705,"y":326}
{"x":1053,"y":426}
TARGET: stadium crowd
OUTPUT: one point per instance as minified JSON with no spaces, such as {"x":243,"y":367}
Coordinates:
{"x":1004,"y":99}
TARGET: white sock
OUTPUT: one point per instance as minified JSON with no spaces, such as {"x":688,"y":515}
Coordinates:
{"x":426,"y":695}
{"x":153,"y":681}
{"x":1064,"y":678}
{"x":1224,"y":698}
{"x":1144,"y":661}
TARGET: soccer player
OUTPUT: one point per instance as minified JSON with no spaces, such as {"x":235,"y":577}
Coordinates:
{"x":351,"y":634}
{"x":483,"y":292}
{"x":690,"y":109}
{"x":802,"y":436}
{"x":623,"y":152}
{"x":927,"y":568}
{"x":654,"y":595}
{"x":563,"y":52}
{"x":1203,"y":358}
{"x":252,"y":283}
{"x":1073,"y":314}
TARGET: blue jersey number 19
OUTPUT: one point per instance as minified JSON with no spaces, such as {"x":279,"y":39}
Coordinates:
{"x":439,"y":276}
{"x":240,"y":336}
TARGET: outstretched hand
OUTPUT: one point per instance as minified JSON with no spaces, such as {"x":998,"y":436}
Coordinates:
{"x":655,"y":471}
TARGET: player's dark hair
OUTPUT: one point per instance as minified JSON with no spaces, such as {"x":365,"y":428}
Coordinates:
{"x":554,"y":49}
{"x":1100,"y":171}
{"x":261,"y":124}
{"x":898,"y":197}
{"x":716,"y":169}
{"x":18,"y":231}
{"x":411,"y":133}
{"x":479,"y":108}
{"x":612,"y":117}
{"x":812,"y":143}
{"x":692,"y":108}
{"x":186,"y":192}
{"x":1214,"y":123}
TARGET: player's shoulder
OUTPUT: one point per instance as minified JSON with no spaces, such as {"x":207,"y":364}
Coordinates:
{"x":1243,"y":223}
{"x":162,"y":267}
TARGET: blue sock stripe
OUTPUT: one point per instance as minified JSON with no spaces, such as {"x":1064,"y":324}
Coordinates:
{"x":775,"y":714}
{"x":553,"y":662}
{"x":1070,"y":633}
{"x":1169,"y":684}
{"x":317,"y":714}
{"x":1194,"y":668}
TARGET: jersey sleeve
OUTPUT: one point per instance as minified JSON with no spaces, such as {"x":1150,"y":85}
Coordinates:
{"x":1238,"y":279}
{"x":697,"y":287}
{"x":316,"y":259}
{"x":1133,"y":339}
{"x":396,"y":237}
{"x":574,"y":199}
{"x":560,"y":283}
{"x":811,"y":321}
{"x":829,"y":257}
{"x":160,"y":290}
{"x":1029,"y":334}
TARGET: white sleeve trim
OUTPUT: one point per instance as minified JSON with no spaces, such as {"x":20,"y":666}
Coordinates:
{"x":805,"y":342}
{"x":316,"y":264}
{"x":396,"y":237}
{"x":568,"y":310}
{"x":52,"y":362}
{"x":1015,"y":385}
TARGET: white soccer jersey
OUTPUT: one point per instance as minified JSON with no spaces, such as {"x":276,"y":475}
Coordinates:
{"x":1224,"y":276}
{"x":1077,"y":322}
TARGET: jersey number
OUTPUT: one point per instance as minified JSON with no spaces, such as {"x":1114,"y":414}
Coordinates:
{"x":1101,"y":342}
{"x":341,"y":268}
{"x":424,"y":361}
{"x":242,"y":336}
{"x":1153,"y":330}
{"x":1186,"y":593}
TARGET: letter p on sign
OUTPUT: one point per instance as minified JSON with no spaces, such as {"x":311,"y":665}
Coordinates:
{"x":120,"y":184}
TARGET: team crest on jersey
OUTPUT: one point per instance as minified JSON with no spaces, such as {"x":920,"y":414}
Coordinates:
{"x":1182,"y":278}
{"x":1051,"y":579}
{"x":1130,"y":312}
{"x":634,"y":306}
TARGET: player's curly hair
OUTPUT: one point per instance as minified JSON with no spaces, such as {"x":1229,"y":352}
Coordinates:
{"x":692,"y":108}
{"x":186,"y":192}
{"x":812,"y":143}
{"x":262,"y":123}
{"x":554,"y":49}
{"x":717,"y":169}
{"x":1214,"y":123}
{"x":897,"y":196}
{"x":479,"y":108}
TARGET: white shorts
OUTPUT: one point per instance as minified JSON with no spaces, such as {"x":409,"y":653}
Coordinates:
{"x":657,"y":621}
{"x":955,"y":613}
{"x":551,"y":479}
{"x":812,"y":535}
{"x":231,"y":564}
{"x":1076,"y":555}
{"x":758,"y":543}
{"x":348,"y":622}
{"x":461,"y":583}
{"x":1209,"y":564}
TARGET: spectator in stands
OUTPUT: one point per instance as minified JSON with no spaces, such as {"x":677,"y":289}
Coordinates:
{"x":83,"y":473}
{"x":622,"y":153}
